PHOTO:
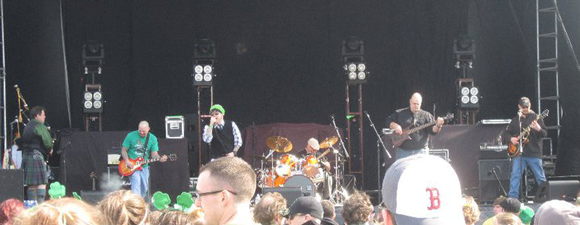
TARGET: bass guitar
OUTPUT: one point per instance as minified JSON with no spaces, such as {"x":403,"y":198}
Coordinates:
{"x":397,"y":140}
{"x":139,"y":162}
{"x":514,"y":150}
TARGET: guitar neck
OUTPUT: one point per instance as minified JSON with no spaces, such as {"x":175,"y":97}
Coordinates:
{"x":410,"y":131}
{"x":323,"y":154}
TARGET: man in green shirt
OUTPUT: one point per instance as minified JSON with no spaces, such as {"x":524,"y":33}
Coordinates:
{"x":36,"y":143}
{"x":140,"y":143}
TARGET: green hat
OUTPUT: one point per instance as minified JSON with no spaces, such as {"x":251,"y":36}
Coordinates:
{"x":526,"y":214}
{"x":217,"y":107}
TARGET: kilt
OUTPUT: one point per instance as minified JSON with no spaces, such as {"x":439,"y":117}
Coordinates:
{"x":34,"y":168}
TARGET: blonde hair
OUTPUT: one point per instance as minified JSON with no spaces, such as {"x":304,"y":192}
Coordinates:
{"x":124,"y":207}
{"x":62,"y":211}
{"x":471,"y":211}
{"x":506,"y":218}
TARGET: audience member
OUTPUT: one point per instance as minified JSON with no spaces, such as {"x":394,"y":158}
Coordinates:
{"x":557,"y":212}
{"x":329,"y":213}
{"x":422,"y":189}
{"x":305,"y":210}
{"x":173,"y":217}
{"x":67,"y":211}
{"x":124,"y":207}
{"x":271,"y":209}
{"x":507,"y":218}
{"x":224,"y":190}
{"x":502,"y":204}
{"x":9,"y":209}
{"x":196,"y":216}
{"x":526,"y":214}
{"x":358,"y":209}
{"x":470,"y":211}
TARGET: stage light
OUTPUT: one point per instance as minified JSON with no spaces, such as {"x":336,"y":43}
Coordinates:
{"x":474,"y":99}
{"x":203,"y":63}
{"x":93,"y":55}
{"x":464,"y":91}
{"x":474,"y":91}
{"x":468,"y":94}
{"x":354,"y":66}
{"x":464,"y":99}
{"x":93,"y":99}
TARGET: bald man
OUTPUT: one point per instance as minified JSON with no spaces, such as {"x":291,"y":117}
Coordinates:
{"x":140,"y":143}
{"x":407,"y":118}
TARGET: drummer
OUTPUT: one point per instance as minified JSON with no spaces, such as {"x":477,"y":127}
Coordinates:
{"x":312,"y":148}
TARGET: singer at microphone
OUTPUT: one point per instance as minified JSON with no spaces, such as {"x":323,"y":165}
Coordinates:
{"x":529,"y":153}
{"x":413,"y":116}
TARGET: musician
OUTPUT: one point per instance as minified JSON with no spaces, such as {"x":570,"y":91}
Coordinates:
{"x":228,"y":138}
{"x":532,"y":151}
{"x":410,"y":117}
{"x":36,"y":143}
{"x":312,"y":149}
{"x":140,"y":143}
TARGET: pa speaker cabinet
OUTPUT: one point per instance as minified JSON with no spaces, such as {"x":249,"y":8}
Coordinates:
{"x":441,"y":153}
{"x":289,"y":193}
{"x":493,"y":175}
{"x":557,"y":189}
{"x":174,"y":127}
{"x":12,"y":184}
{"x":93,"y":197}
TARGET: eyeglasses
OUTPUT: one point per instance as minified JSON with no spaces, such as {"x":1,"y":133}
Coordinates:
{"x":198,"y":195}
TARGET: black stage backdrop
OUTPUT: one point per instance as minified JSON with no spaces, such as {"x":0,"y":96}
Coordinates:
{"x":281,"y":61}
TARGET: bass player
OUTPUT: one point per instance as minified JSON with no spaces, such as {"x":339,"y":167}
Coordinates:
{"x":140,"y":143}
{"x":531,"y":154}
{"x":410,"y":117}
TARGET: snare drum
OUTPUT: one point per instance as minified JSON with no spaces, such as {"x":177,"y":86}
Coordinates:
{"x":304,"y":183}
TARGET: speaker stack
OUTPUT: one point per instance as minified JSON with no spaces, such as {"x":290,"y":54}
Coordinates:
{"x":494,"y":179}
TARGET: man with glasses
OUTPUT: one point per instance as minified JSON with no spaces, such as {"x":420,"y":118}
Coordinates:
{"x":223,"y":136}
{"x":532,"y":150}
{"x":224,"y":189}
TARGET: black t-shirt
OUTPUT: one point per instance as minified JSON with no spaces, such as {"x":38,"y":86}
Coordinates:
{"x":408,"y":120}
{"x":534,"y":146}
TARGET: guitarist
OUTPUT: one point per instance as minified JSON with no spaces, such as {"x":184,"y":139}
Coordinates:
{"x":532,"y":150}
{"x":410,"y":117}
{"x":140,"y":143}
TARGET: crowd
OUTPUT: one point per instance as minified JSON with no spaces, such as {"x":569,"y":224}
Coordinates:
{"x":417,"y":190}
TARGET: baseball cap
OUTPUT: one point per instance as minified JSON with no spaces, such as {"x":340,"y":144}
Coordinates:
{"x":306,"y":205}
{"x":217,"y":107}
{"x":557,"y":212}
{"x":312,"y":142}
{"x":423,"y":190}
{"x":524,"y":102}
{"x":511,"y":205}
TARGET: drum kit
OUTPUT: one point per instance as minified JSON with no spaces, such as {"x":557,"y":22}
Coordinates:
{"x":288,"y":170}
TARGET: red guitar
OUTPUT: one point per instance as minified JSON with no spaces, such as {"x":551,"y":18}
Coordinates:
{"x":139,"y":162}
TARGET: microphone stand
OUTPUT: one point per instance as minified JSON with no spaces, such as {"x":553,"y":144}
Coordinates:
{"x":339,"y":137}
{"x":378,"y":135}
{"x":521,"y":155}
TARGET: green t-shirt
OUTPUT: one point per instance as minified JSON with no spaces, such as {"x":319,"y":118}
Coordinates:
{"x":135,"y":145}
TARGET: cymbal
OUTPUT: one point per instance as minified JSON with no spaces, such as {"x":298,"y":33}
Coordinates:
{"x":279,"y":144}
{"x":329,"y":141}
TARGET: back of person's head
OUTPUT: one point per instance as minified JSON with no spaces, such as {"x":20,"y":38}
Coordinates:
{"x":470,"y":210}
{"x":357,"y":208}
{"x":173,"y":217}
{"x":423,"y":189}
{"x":234,"y":174}
{"x":557,"y":212}
{"x":506,"y":218}
{"x":36,"y":111}
{"x":269,"y":208}
{"x":9,"y":209}
{"x":196,"y":216}
{"x":328,"y":209}
{"x":511,"y":205}
{"x":62,"y":211}
{"x":124,"y":207}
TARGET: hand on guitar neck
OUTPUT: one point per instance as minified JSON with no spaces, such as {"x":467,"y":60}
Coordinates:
{"x":127,"y":167}
{"x":129,"y":163}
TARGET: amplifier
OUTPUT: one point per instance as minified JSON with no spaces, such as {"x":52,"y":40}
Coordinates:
{"x":174,"y":127}
{"x":442,"y":153}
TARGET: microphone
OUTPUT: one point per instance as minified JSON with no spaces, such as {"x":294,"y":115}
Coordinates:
{"x":332,"y":116}
{"x":16,"y":86}
{"x":520,"y":113}
{"x":367,"y":113}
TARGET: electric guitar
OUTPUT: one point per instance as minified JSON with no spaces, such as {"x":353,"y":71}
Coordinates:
{"x":397,"y":140}
{"x":514,"y":150}
{"x":139,"y":162}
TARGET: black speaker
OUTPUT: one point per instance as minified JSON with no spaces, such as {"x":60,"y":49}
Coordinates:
{"x":349,"y":183}
{"x":492,"y":172}
{"x":557,"y":189}
{"x":289,"y":193}
{"x":93,"y":197}
{"x":12,"y":184}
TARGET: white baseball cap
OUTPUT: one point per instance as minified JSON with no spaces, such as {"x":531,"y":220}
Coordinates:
{"x":423,"y":190}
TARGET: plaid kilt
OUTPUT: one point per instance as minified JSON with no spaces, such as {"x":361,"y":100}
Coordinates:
{"x":34,"y":168}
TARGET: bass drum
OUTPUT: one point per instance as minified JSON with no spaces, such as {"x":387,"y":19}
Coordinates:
{"x":304,"y":183}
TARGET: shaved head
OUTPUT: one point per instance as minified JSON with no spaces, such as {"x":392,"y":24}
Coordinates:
{"x":415,"y":102}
